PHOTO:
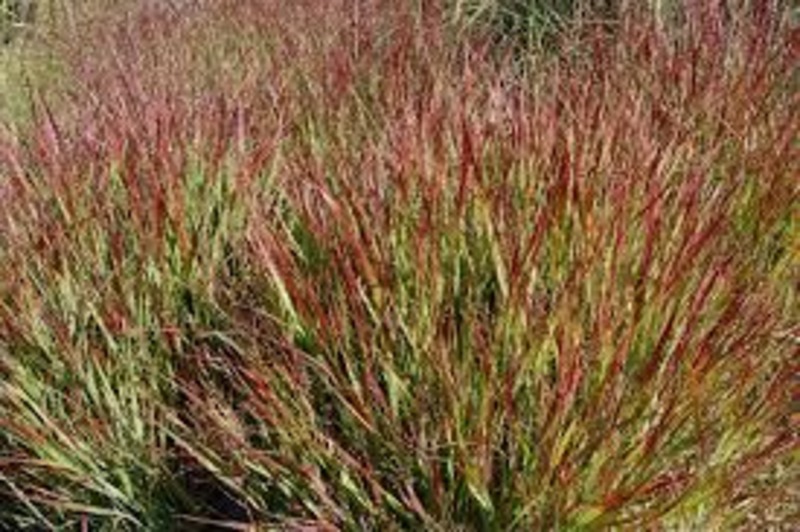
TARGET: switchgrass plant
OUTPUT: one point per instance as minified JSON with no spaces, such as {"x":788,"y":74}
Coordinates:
{"x":116,"y":216}
{"x":325,"y":266}
{"x":107,"y":278}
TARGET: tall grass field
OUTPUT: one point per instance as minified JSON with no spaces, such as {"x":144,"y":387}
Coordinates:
{"x":441,"y":265}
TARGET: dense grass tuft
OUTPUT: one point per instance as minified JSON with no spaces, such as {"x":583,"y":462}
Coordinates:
{"x":333,"y":265}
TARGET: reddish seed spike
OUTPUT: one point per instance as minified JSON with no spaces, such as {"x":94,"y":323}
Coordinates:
{"x":732,"y":308}
{"x":660,"y":350}
{"x":465,"y":167}
{"x":698,"y":302}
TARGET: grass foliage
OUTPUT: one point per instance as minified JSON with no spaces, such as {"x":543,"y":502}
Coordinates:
{"x":331,"y":265}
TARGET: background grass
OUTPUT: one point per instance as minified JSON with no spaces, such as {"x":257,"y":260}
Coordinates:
{"x":342,"y":265}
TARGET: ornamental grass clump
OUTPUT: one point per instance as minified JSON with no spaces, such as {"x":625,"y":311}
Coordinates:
{"x":110,"y":252}
{"x":371,"y":273}
{"x":503,"y":303}
{"x":118,"y":210}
